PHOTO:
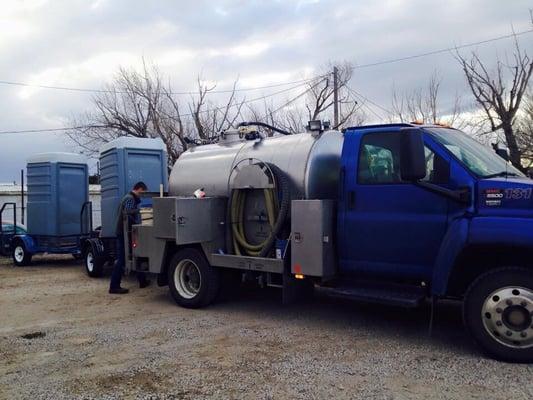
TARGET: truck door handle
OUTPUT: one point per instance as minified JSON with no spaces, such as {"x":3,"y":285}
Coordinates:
{"x":351,"y":199}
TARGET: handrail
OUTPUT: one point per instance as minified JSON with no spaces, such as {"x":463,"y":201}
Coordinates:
{"x":83,"y":208}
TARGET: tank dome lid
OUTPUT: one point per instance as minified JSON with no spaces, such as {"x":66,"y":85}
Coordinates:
{"x":71,"y":158}
{"x":134,"y":143}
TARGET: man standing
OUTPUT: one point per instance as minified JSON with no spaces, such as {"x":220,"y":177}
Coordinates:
{"x":128,"y":208}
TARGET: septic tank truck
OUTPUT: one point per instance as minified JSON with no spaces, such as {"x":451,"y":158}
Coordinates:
{"x":395,"y":214}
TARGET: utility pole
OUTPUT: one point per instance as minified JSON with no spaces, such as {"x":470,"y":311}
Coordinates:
{"x":335,"y":97}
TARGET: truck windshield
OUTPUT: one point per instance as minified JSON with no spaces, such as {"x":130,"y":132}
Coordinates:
{"x":479,"y":159}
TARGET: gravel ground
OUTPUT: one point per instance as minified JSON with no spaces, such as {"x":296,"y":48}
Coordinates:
{"x":63,"y":337}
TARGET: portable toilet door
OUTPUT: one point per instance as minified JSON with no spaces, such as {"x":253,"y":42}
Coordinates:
{"x":58,"y":187}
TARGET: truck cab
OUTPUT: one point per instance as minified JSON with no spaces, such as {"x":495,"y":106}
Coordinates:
{"x":470,"y":203}
{"x":457,"y":219}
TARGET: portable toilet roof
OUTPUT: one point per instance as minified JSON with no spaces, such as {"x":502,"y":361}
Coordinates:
{"x":134,"y":143}
{"x":63,"y":157}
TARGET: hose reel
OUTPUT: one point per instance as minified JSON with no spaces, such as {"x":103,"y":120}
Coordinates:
{"x":246,"y":177}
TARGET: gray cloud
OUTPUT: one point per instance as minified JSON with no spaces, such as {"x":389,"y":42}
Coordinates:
{"x":80,"y":43}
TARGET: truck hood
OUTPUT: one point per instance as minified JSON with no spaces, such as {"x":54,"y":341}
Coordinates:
{"x":511,"y":197}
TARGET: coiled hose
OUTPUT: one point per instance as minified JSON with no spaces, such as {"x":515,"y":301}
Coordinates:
{"x":277,"y":214}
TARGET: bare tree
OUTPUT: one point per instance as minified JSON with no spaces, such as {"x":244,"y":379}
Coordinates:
{"x":500,"y":92}
{"x":524,"y":130}
{"x":424,"y":105}
{"x":316,"y":101}
{"x":135,"y":104}
{"x":320,"y":99}
{"x":138,"y":104}
{"x":210,"y":119}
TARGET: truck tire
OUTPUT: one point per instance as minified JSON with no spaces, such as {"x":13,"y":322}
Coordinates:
{"x":21,"y":255}
{"x":498,"y":313}
{"x":192,"y":281}
{"x":94,"y":266}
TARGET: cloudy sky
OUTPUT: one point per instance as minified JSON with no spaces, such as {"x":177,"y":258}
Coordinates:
{"x":81,"y":43}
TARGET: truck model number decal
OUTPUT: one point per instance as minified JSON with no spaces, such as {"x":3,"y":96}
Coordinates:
{"x":493,"y":197}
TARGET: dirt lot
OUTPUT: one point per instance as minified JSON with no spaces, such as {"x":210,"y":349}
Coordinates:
{"x":83,"y":343}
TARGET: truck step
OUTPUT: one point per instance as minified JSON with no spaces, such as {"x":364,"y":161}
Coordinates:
{"x":407,"y":296}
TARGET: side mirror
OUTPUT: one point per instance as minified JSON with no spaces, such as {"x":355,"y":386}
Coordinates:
{"x":413,"y":157}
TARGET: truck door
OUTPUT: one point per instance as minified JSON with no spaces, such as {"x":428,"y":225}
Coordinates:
{"x":389,"y":227}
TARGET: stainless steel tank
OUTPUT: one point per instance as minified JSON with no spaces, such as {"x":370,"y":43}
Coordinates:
{"x":312,"y":162}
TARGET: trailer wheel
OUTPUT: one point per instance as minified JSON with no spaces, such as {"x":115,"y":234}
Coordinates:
{"x":94,"y":266}
{"x":192,"y":281}
{"x":21,"y":256}
{"x":498,"y":312}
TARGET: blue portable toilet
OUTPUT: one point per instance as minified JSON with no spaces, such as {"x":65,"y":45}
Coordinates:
{"x":58,"y":208}
{"x":58,"y":188}
{"x":124,"y":162}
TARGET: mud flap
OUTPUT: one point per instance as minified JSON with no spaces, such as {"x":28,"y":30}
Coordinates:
{"x":296,"y":290}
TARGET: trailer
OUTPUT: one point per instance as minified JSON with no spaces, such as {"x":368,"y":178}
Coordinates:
{"x":395,"y":214}
{"x":59,"y":214}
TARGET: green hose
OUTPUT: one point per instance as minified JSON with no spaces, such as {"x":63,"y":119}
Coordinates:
{"x":240,"y":244}
{"x":277,"y":213}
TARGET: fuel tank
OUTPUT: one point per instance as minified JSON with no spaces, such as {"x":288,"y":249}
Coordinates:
{"x":311,"y":161}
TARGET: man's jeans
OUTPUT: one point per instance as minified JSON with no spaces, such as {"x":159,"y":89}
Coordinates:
{"x":118,"y":270}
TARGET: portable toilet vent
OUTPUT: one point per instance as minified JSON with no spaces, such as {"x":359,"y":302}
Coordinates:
{"x":58,"y":189}
{"x":124,"y":162}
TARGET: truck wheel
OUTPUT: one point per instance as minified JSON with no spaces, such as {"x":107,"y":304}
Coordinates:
{"x":21,"y":256}
{"x":192,"y":281}
{"x":94,"y":266}
{"x":498,"y":312}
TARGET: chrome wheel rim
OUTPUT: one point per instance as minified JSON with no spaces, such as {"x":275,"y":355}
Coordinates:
{"x":187,"y":279}
{"x":90,"y":262}
{"x":19,"y":254}
{"x":508,"y":316}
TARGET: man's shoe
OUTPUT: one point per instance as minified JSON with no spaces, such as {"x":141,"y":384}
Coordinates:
{"x":144,"y":284}
{"x":118,"y":290}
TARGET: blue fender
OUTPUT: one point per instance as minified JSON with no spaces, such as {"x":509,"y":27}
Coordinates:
{"x":502,"y":231}
{"x":29,"y":243}
{"x":454,"y":242}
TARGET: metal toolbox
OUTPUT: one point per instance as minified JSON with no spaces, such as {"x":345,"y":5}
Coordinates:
{"x":312,"y":247}
{"x":188,"y":219}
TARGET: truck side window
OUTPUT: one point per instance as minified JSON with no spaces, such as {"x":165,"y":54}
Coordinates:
{"x":437,"y":168}
{"x":379,"y":159}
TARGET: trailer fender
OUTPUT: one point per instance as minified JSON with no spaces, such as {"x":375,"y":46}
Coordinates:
{"x":455,"y":240}
{"x":96,"y":246}
{"x":29,"y":243}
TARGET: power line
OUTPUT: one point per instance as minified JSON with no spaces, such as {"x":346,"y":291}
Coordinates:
{"x":448,"y":49}
{"x":299,"y":82}
{"x":358,"y":94}
{"x":44,"y":130}
{"x":87,"y":90}
{"x":373,"y":64}
{"x":292,"y":100}
{"x":236,"y":104}
{"x":367,"y":100}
